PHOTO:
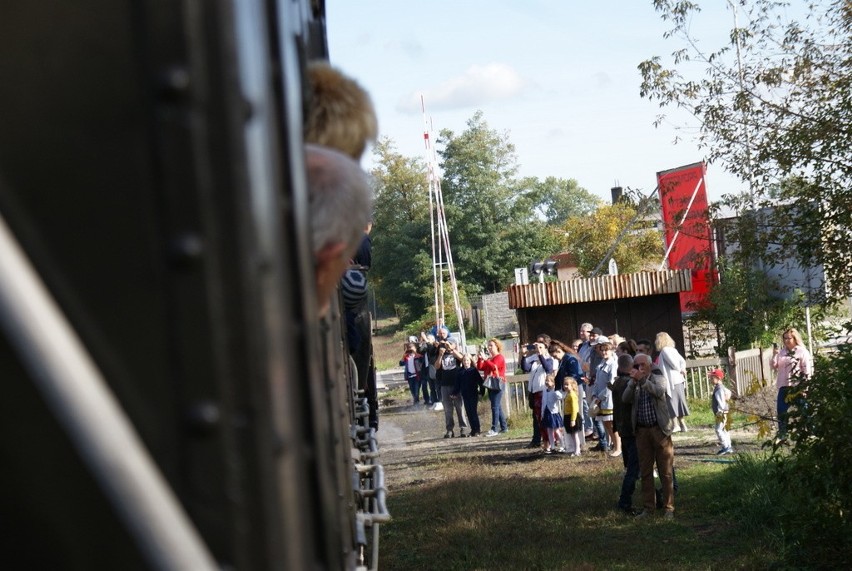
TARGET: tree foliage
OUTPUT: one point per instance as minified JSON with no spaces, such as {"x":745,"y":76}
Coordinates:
{"x":590,"y":237}
{"x":557,"y":199}
{"x":491,"y":216}
{"x":496,"y":220}
{"x":774,"y":104}
{"x":817,"y":523}
{"x":745,"y":309}
{"x":402,"y":259}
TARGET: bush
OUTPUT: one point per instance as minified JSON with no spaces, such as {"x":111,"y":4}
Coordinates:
{"x":817,"y":472}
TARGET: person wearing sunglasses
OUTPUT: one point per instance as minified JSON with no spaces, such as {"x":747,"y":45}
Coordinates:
{"x":653,"y":423}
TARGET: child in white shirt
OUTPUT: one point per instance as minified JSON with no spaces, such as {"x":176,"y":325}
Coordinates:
{"x":551,"y":415}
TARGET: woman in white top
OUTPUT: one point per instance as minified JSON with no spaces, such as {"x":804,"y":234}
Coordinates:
{"x":673,"y":366}
{"x":602,"y":395}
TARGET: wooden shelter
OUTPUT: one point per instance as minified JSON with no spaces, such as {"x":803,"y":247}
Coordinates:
{"x":636,"y":306}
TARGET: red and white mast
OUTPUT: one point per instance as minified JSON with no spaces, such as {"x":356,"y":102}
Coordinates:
{"x":440,"y":235}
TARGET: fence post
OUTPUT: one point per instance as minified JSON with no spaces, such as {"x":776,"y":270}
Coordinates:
{"x":765,"y":367}
{"x":733,"y":371}
{"x":507,"y":400}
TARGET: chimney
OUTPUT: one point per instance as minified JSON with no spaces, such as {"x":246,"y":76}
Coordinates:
{"x":617,"y":193}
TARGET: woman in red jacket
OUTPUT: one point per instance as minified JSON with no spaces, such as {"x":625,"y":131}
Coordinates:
{"x":492,"y":364}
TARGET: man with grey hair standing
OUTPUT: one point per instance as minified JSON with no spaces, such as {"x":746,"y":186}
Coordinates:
{"x":340,"y":203}
{"x":584,"y":353}
{"x":653,"y":423}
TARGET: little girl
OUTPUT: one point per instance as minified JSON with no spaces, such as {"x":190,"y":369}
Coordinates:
{"x":572,"y":412}
{"x":551,"y":416}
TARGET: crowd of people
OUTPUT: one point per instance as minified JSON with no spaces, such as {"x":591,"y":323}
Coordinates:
{"x":625,"y":396}
{"x":435,"y":365}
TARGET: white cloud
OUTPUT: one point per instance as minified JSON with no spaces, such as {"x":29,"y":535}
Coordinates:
{"x":479,"y":84}
{"x":412,"y":48}
{"x":602,"y":79}
{"x":555,"y":134}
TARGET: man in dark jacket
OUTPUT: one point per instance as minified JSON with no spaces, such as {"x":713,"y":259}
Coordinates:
{"x":623,"y":418}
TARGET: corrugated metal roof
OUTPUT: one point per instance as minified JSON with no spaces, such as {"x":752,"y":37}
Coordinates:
{"x":601,"y":288}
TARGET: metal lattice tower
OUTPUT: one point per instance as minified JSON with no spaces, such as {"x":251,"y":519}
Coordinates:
{"x":442,"y":257}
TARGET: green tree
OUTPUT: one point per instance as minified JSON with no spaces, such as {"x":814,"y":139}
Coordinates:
{"x":557,"y":199}
{"x":402,"y":260}
{"x":491,"y":218}
{"x":773,"y":105}
{"x":746,"y":308}
{"x":590,"y":237}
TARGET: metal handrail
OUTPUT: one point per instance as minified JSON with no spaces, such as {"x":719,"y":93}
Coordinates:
{"x":80,"y":399}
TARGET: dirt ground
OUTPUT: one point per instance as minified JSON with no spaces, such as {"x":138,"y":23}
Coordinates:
{"x":411,"y":441}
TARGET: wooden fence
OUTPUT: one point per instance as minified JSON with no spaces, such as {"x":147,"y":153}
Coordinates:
{"x":742,"y":369}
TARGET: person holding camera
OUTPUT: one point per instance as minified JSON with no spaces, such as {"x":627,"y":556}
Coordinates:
{"x":447,"y":369}
{"x":429,"y":348}
{"x":412,"y":365}
{"x":653,"y":422}
{"x":538,"y":363}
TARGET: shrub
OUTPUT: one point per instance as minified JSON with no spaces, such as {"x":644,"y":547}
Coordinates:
{"x":817,"y":472}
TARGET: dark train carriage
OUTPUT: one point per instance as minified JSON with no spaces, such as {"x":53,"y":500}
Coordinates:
{"x":171,"y":398}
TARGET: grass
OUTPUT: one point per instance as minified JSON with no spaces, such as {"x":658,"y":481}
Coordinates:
{"x":557,"y":517}
{"x":481,"y":508}
{"x":388,"y":344}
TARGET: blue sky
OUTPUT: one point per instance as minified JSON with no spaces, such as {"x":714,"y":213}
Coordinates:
{"x":559,"y":76}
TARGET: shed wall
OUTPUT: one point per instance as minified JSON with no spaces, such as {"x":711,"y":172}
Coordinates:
{"x":634,"y":318}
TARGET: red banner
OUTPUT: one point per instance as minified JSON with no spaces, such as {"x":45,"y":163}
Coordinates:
{"x":683,"y":197}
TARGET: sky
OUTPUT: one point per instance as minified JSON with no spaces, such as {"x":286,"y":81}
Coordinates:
{"x":559,"y":77}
